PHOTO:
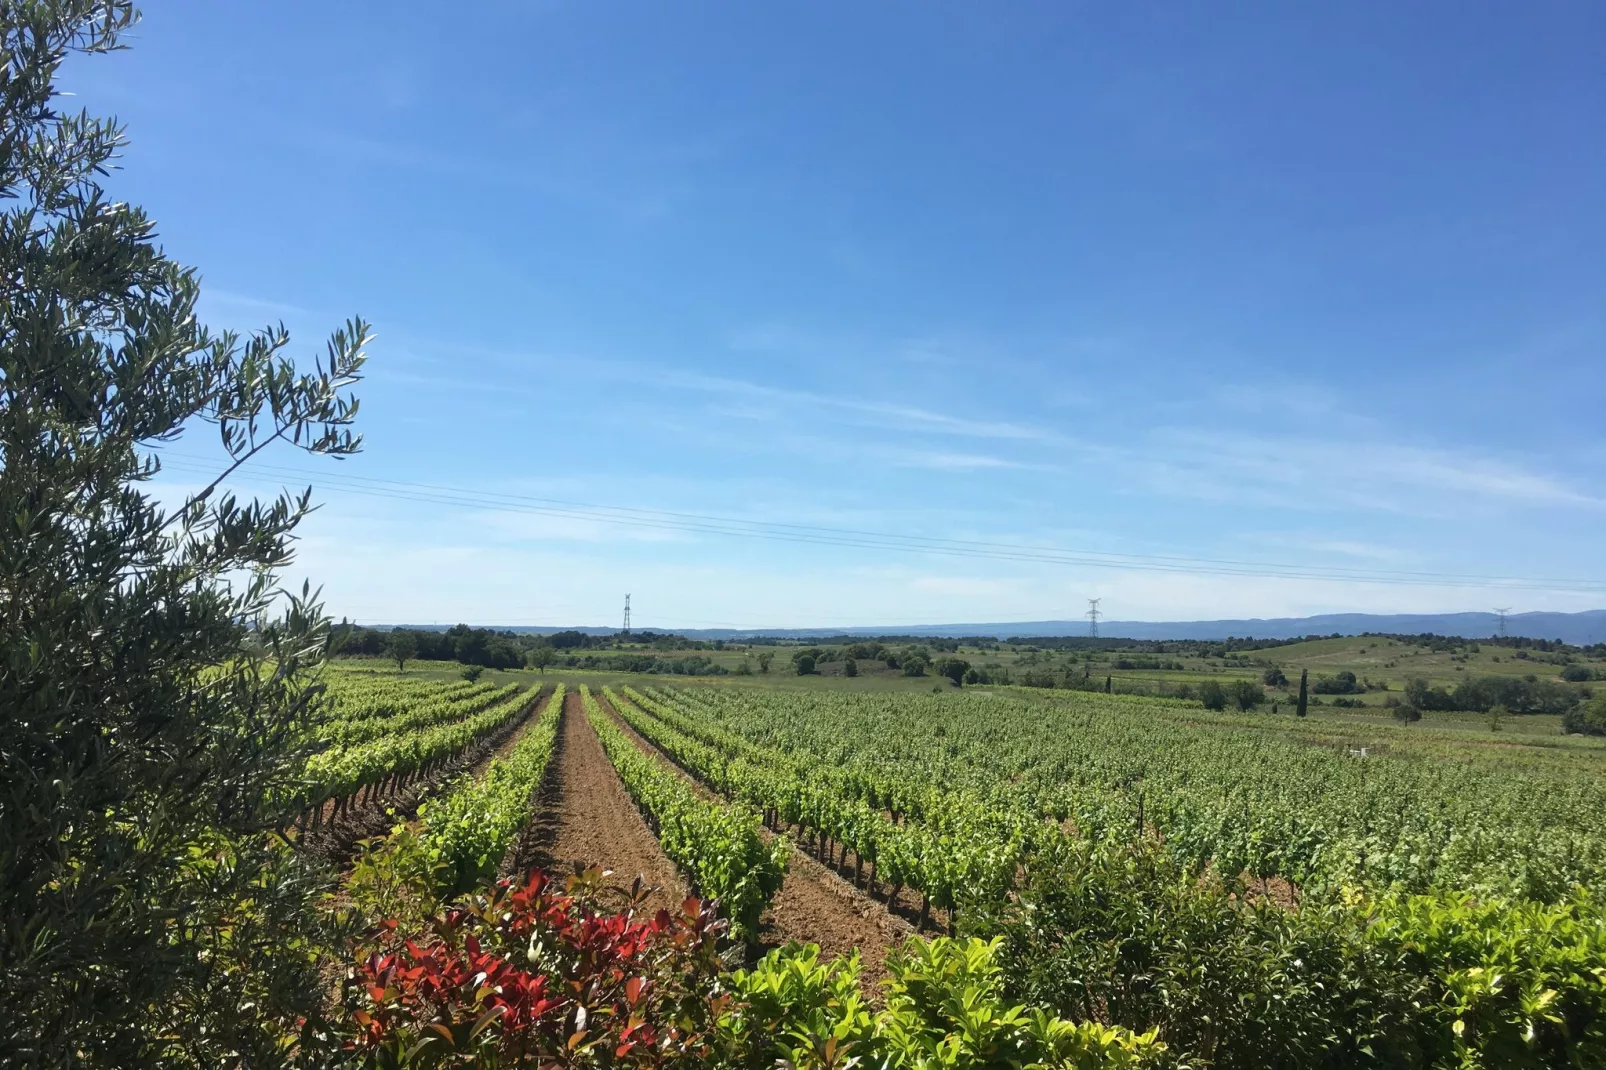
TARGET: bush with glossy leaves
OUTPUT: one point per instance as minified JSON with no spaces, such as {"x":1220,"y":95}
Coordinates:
{"x":531,"y":973}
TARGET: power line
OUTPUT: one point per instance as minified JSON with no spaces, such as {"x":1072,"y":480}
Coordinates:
{"x":1093,"y":617}
{"x":782,"y":531}
{"x":1503,"y":613}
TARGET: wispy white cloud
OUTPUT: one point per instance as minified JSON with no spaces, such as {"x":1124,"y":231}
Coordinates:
{"x":1375,"y":474}
{"x":527,"y":526}
{"x":407,"y":561}
{"x":882,"y":414}
{"x":1369,"y":471}
{"x":517,"y":583}
{"x":218,"y":303}
{"x":955,"y":462}
{"x":1317,"y":543}
{"x":965,"y":586}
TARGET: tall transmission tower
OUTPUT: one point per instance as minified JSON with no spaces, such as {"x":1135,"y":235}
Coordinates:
{"x":626,"y":628}
{"x":1503,"y":613}
{"x":1093,"y":616}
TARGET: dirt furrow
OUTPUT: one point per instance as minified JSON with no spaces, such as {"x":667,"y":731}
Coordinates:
{"x":814,"y":905}
{"x":336,"y":840}
{"x":415,"y":823}
{"x":544,"y":695}
{"x":584,"y":817}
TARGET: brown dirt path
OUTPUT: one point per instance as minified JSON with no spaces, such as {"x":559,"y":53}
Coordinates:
{"x":544,"y":696}
{"x":478,"y":769}
{"x":337,"y":839}
{"x":585,"y":818}
{"x":814,"y":905}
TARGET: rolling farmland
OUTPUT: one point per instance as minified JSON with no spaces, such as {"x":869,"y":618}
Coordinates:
{"x":853,"y":820}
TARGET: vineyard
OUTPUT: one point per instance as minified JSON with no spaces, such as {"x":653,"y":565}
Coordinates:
{"x":990,"y":776}
{"x":1119,"y":861}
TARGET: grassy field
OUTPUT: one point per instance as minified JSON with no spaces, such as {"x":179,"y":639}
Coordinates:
{"x":1386,"y":664}
{"x":1381,"y":659}
{"x":1377,"y":660}
{"x":1370,"y":656}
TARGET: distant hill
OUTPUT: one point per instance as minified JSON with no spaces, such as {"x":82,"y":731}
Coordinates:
{"x":1580,"y":629}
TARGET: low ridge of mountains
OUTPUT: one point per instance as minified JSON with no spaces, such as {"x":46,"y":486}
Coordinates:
{"x":1579,"y":629}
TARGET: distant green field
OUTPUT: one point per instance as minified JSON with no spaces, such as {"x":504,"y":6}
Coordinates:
{"x":1380,"y":661}
{"x":1387,"y":664}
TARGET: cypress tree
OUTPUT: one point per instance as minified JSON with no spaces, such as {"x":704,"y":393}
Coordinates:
{"x":1304,"y":693}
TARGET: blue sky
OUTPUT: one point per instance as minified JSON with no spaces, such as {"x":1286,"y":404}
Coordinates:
{"x":1309,"y":287}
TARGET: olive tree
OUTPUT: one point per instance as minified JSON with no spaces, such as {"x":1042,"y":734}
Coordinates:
{"x":954,"y":669}
{"x":542,"y":657}
{"x":155,"y":673}
{"x":1588,"y":719}
{"x":401,"y":646}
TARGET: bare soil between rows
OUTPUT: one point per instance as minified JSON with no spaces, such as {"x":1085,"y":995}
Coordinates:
{"x":814,"y":905}
{"x":585,"y":818}
{"x":336,"y":839}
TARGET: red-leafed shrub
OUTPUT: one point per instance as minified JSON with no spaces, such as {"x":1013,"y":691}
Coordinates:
{"x":533,"y":974}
